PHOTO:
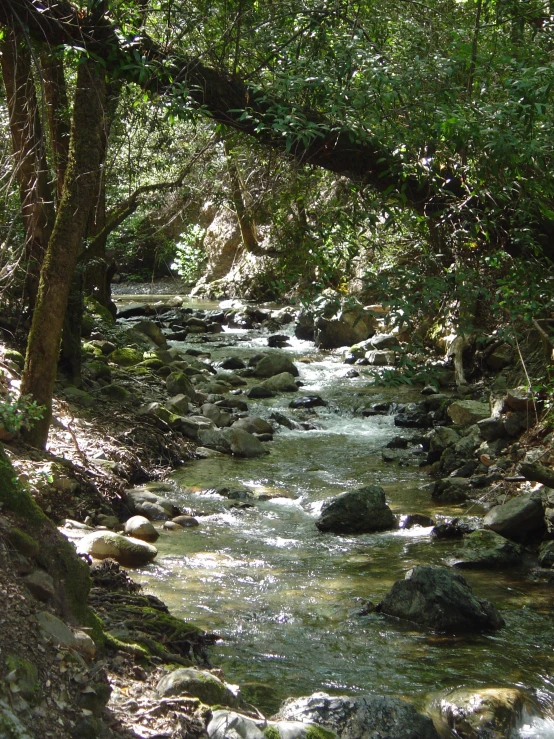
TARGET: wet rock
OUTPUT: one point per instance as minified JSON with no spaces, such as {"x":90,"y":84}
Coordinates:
{"x":151,"y":505}
{"x":203,"y":685}
{"x":361,"y":716}
{"x":487,"y":550}
{"x":416,"y":519}
{"x":186,"y":522}
{"x":254,"y":425}
{"x":415,"y":417}
{"x":232,"y":363}
{"x":357,"y":512}
{"x":284,"y":382}
{"x":451,"y":490}
{"x":468,"y":412}
{"x":518,"y":517}
{"x":349,"y":326}
{"x":438,"y":598}
{"x":131,"y":310}
{"x":233,"y":404}
{"x":546,"y":554}
{"x":259,"y":391}
{"x":276,"y":341}
{"x":127,"y":551}
{"x":483,"y":713}
{"x":305,"y":327}
{"x":283,"y":420}
{"x":244,"y":444}
{"x":221,"y":418}
{"x":308,"y":401}
{"x":398,"y":442}
{"x":140,"y":528}
{"x":454,"y":529}
{"x":274,"y":364}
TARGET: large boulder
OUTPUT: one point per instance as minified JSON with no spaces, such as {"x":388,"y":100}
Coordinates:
{"x":488,"y":550}
{"x":254,"y":425}
{"x":482,"y":713}
{"x":274,"y":363}
{"x":149,"y":504}
{"x":357,"y":512}
{"x":203,"y":685}
{"x":518,"y":517}
{"x":127,"y":551}
{"x":438,"y":598}
{"x":468,"y":412}
{"x":360,"y":717}
{"x":244,"y":444}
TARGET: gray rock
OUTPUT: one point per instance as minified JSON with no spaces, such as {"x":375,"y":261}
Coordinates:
{"x":178,"y":404}
{"x":520,"y":399}
{"x":254,"y":425}
{"x":127,"y":551}
{"x":361,"y":716}
{"x":203,"y":685}
{"x":487,"y":550}
{"x":274,"y":363}
{"x":178,"y":383}
{"x":380,"y":358}
{"x":284,"y":382}
{"x":259,"y":391}
{"x":40,"y":585}
{"x":442,"y":438}
{"x":438,"y":598}
{"x":451,"y":490}
{"x":491,"y":429}
{"x":150,"y":329}
{"x":185,"y":522}
{"x":141,"y":528}
{"x":357,"y":512}
{"x":61,"y":634}
{"x":518,"y":517}
{"x":215,"y":438}
{"x":244,"y":444}
{"x":231,"y":725}
{"x":467,"y":412}
{"x":221,"y":418}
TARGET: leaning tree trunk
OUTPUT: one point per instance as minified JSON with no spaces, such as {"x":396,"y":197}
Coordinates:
{"x":31,"y":169}
{"x":245,"y":218}
{"x":57,"y":110}
{"x":63,"y":249}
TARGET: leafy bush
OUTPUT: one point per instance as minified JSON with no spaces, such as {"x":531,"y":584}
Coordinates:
{"x":18,"y":413}
{"x":190,"y":258}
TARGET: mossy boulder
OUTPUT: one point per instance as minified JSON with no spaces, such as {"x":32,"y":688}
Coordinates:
{"x":126,"y":356}
{"x":25,"y":544}
{"x":76,"y":395}
{"x":89,"y":348}
{"x":152,"y":363}
{"x":12,"y":355}
{"x":203,"y":685}
{"x":117,"y":393}
{"x":99,"y":370}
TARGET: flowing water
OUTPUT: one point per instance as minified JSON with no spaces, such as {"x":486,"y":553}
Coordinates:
{"x":286,"y":599}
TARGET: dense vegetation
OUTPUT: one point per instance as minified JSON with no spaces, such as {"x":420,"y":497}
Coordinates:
{"x":408,"y":145}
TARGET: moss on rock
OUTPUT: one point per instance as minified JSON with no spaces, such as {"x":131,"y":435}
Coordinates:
{"x":126,"y":356}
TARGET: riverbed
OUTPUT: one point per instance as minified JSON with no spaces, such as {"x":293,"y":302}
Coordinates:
{"x":287,"y":600}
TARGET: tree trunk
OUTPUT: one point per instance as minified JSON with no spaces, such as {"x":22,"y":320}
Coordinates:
{"x":57,"y":110}
{"x":244,"y":216}
{"x":63,"y":249}
{"x":31,"y":169}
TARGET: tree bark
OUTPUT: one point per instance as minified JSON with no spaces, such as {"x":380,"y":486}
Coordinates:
{"x":63,"y":249}
{"x":57,"y":111}
{"x":31,"y":169}
{"x":238,"y":195}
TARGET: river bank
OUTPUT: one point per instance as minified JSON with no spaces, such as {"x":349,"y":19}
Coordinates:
{"x":242,"y":501}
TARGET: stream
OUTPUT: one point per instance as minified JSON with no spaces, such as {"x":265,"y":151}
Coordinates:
{"x":285,"y":598}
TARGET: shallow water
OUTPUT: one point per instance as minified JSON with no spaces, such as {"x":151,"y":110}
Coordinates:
{"x":284,"y":597}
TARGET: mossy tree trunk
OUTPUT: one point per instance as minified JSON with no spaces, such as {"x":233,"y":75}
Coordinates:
{"x":63,"y":249}
{"x":239,"y":197}
{"x":57,"y":111}
{"x":31,"y":169}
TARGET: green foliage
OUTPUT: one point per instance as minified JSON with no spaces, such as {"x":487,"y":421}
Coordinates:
{"x":190,"y":258}
{"x":18,"y":413}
